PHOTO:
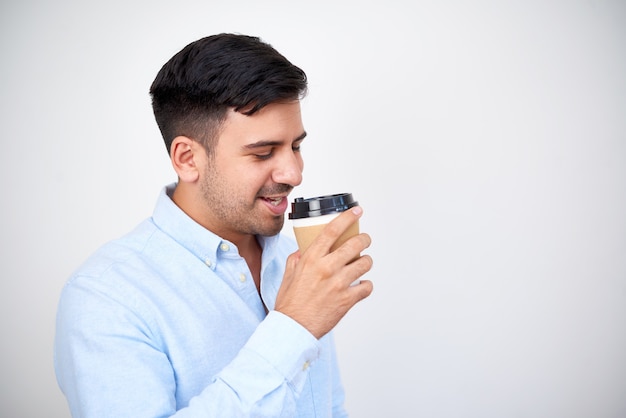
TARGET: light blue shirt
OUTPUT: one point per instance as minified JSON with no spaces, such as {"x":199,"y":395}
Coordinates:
{"x":167,"y":321}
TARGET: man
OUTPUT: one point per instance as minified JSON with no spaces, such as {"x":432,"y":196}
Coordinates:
{"x":205,"y":310}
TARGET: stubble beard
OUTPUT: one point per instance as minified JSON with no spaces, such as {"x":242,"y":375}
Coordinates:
{"x":240,"y":216}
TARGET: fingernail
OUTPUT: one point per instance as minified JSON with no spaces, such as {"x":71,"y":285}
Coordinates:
{"x":357,"y":210}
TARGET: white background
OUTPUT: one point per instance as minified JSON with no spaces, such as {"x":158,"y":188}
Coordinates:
{"x":486,"y":142}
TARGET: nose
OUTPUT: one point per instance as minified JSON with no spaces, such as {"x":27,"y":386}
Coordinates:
{"x":288,"y":169}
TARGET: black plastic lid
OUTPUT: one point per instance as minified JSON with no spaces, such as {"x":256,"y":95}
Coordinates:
{"x":321,"y":205}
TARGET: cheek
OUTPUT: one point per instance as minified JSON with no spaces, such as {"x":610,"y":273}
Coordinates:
{"x":250,"y":177}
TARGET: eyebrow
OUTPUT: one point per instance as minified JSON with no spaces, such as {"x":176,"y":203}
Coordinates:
{"x":260,"y":144}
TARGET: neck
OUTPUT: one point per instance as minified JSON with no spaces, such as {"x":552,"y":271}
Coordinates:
{"x":249,"y":247}
{"x":251,"y":251}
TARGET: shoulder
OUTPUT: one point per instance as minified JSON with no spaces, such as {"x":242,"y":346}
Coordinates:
{"x":118,"y":252}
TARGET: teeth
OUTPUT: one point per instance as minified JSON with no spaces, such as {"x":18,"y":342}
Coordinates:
{"x":275,"y":202}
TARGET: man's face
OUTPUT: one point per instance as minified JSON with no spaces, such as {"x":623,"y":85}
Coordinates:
{"x":255,"y":165}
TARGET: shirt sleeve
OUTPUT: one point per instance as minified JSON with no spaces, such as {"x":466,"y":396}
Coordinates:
{"x":109,"y":364}
{"x":265,"y":378}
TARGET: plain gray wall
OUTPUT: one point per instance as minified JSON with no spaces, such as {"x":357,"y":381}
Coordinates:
{"x":486,"y":142}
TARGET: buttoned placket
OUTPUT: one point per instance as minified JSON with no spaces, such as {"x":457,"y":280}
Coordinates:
{"x":241,"y":278}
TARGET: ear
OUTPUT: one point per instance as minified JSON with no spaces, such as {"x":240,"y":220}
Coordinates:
{"x":185,"y":154}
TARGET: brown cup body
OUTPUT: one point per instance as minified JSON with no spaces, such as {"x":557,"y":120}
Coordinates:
{"x":306,"y":232}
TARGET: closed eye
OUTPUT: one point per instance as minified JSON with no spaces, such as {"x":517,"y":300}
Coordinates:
{"x":270,"y":146}
{"x":268,"y":155}
{"x":265,"y":156}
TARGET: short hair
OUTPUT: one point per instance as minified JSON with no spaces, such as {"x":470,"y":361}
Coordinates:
{"x":193,"y":91}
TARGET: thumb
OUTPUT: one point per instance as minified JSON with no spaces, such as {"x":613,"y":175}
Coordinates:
{"x":292,"y":261}
{"x":290,"y":269}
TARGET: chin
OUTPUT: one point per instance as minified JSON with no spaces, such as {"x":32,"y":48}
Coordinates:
{"x":275,"y":228}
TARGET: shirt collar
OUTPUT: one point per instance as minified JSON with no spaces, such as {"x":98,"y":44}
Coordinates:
{"x":203,"y":243}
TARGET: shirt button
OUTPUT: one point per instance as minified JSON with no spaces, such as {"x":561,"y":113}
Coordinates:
{"x":224,"y":247}
{"x":208,"y":262}
{"x":305,"y":365}
{"x":242,"y":277}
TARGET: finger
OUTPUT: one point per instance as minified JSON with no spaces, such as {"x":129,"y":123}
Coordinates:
{"x":361,"y":290}
{"x":350,"y":249}
{"x":334,"y":229}
{"x":356,"y":269}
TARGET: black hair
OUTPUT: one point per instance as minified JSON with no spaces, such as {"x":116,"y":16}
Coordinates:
{"x":194,"y":89}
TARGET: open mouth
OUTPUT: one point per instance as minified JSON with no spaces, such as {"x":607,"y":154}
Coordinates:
{"x":274,"y":201}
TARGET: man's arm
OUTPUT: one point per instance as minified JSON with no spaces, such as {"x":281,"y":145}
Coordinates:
{"x":109,"y":364}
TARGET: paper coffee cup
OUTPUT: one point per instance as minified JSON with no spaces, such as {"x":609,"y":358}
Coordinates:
{"x":309,"y":216}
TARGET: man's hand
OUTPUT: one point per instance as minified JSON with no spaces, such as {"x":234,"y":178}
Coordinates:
{"x":316,"y":289}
